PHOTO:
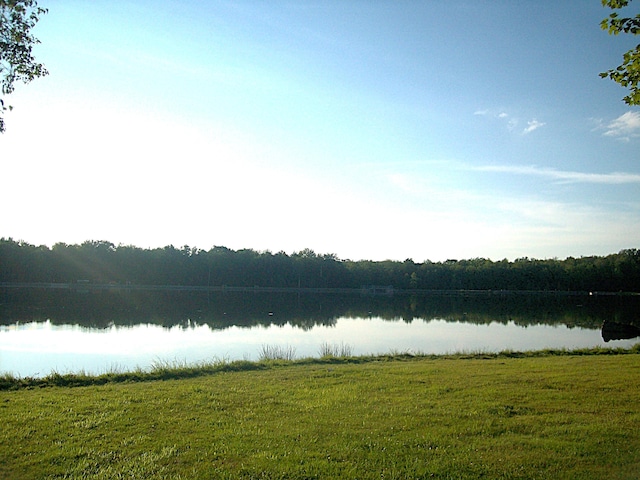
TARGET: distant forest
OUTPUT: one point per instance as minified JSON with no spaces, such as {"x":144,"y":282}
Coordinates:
{"x":102,"y":262}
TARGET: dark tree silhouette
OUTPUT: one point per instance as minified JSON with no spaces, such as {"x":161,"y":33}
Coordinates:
{"x":102,"y":262}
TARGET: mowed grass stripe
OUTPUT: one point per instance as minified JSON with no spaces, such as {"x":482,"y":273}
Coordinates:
{"x":537,"y":417}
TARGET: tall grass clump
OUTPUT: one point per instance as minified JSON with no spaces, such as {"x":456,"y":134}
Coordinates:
{"x":8,"y":381}
{"x":277,"y":352}
{"x":163,"y":366}
{"x":342,"y":349}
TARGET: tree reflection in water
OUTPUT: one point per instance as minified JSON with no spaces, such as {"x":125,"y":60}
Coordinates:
{"x":219,"y":310}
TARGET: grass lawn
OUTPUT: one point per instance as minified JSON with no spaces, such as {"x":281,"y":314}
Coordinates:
{"x":546,"y":417}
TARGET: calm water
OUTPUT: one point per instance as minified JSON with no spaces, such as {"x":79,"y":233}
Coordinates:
{"x":44,"y":331}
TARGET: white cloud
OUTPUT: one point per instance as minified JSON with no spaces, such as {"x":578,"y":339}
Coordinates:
{"x":487,"y":112}
{"x":625,"y":127}
{"x":533,"y":125}
{"x":613,"y":178}
{"x":511,"y":121}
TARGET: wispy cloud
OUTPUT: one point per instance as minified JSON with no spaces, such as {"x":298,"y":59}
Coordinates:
{"x":531,"y":210}
{"x":512,"y":122}
{"x":533,"y":125}
{"x":625,"y":127}
{"x":526,"y":223}
{"x":613,"y":178}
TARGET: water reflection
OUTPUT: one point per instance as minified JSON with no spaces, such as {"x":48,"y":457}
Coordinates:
{"x":219,"y":310}
{"x":41,"y":331}
{"x":619,"y":331}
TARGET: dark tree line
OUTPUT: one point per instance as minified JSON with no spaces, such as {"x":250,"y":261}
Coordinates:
{"x":103,"y":262}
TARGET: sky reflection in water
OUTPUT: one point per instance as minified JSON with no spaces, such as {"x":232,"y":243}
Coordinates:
{"x":38,"y":348}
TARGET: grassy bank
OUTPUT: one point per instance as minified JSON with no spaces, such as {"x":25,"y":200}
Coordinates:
{"x":483,"y":416}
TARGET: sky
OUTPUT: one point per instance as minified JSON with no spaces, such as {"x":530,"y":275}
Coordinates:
{"x":368,"y":129}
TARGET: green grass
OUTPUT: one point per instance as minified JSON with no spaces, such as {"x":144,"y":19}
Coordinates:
{"x":497,"y":416}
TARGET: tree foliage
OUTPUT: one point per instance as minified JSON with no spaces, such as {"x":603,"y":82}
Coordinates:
{"x":105,"y":263}
{"x":627,"y":74}
{"x":17,"y":63}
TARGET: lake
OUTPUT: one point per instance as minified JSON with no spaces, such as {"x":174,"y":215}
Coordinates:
{"x":44,"y":330}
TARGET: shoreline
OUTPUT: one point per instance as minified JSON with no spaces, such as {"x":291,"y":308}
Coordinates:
{"x":375,"y":290}
{"x":163,"y":370}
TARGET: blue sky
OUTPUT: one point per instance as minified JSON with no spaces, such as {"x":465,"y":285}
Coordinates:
{"x":369,"y":129}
